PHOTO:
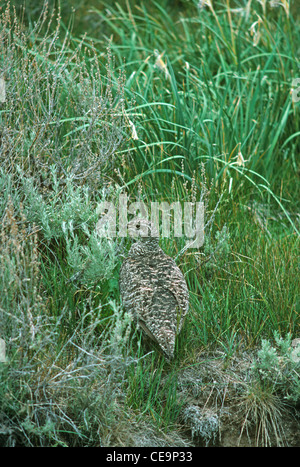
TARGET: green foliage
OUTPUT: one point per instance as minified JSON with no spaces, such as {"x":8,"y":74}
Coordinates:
{"x":273,"y":385}
{"x":94,"y":261}
{"x":77,"y":119}
{"x":68,"y":208}
{"x":208,"y":89}
{"x":153,"y":392}
{"x":121,"y":328}
{"x":279,"y":367}
{"x":217,"y":250}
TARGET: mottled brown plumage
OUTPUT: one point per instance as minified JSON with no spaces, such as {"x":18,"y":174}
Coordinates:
{"x":154,"y":290}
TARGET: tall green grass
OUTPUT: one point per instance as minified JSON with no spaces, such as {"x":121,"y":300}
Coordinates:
{"x":214,"y":87}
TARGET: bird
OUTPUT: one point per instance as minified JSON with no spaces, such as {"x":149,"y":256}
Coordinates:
{"x":153,"y":288}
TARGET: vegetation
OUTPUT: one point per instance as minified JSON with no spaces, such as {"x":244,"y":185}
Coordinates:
{"x":162,"y":101}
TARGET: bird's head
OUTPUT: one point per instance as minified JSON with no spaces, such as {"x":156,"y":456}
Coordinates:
{"x":144,"y":231}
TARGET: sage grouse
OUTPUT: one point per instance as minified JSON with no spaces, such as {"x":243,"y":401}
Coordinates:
{"x":153,"y":288}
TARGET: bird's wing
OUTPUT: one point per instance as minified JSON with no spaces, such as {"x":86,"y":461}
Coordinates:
{"x":160,"y":322}
{"x":174,"y":281}
{"x":135,"y":289}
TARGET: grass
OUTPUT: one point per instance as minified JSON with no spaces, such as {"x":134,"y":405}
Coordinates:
{"x":162,"y":103}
